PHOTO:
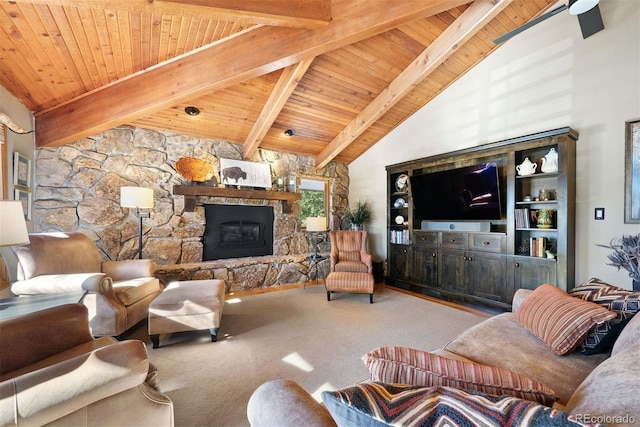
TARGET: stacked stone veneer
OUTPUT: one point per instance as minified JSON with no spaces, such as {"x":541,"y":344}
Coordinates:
{"x":78,"y":189}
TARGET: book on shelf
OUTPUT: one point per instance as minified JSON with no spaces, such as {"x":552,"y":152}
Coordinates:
{"x":538,"y":246}
{"x":522,"y":218}
{"x":400,"y":237}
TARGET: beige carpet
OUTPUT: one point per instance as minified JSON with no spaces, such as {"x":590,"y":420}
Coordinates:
{"x":294,"y":334}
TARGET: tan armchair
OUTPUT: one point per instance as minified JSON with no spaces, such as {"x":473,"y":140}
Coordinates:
{"x":54,"y":372}
{"x":349,"y":252}
{"x":118,"y":292}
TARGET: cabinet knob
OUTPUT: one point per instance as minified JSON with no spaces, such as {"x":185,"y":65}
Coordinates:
{"x":433,"y":255}
{"x":487,"y":243}
{"x":404,"y":250}
{"x":517,"y":264}
{"x":465,"y":258}
{"x":452,"y":240}
{"x":470,"y":258}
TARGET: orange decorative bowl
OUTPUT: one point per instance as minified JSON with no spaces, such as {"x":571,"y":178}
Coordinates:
{"x":194,"y":169}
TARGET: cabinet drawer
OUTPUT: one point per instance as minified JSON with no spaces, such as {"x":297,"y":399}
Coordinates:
{"x":488,"y":242}
{"x":425,"y":238}
{"x":454,"y":240}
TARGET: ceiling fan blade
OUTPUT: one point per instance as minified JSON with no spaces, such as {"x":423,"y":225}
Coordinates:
{"x":529,"y":24}
{"x":591,"y":22}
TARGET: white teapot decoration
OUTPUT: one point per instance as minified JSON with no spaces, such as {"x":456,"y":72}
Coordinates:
{"x":526,"y":167}
{"x":550,"y":161}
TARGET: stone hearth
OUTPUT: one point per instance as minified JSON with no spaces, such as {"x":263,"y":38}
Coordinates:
{"x":248,"y":273}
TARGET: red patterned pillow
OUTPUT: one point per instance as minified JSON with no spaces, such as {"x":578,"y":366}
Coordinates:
{"x":621,"y":301}
{"x":559,"y":319}
{"x":402,"y":365}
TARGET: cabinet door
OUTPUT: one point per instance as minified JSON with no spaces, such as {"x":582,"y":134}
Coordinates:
{"x":529,"y":272}
{"x":425,"y":265}
{"x":488,"y":276}
{"x":452,"y":274}
{"x":399,"y":262}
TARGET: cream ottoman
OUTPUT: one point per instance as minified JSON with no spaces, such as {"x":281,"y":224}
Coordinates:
{"x":342,"y":281}
{"x":187,"y":306}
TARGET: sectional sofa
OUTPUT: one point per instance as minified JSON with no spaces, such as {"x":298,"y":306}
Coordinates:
{"x":557,"y":359}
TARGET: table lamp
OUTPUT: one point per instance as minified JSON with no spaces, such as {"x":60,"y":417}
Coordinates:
{"x":316,"y":224}
{"x":13,"y":231}
{"x":139,"y":198}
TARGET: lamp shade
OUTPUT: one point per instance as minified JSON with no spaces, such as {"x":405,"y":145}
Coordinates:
{"x":13,"y":228}
{"x":316,"y":223}
{"x":136,"y":197}
{"x":577,"y":7}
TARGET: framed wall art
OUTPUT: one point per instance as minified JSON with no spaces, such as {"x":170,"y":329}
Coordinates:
{"x":24,"y":197}
{"x":245,"y":174}
{"x":632,"y":172}
{"x":21,"y":170}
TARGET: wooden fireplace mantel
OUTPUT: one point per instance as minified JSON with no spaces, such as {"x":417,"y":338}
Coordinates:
{"x":191,"y":191}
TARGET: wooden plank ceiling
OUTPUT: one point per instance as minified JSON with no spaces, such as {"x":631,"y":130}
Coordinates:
{"x":340,"y":73}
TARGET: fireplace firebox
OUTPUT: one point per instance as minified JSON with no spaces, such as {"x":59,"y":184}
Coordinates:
{"x":236,"y":231}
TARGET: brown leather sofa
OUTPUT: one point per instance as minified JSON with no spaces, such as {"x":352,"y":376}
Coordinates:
{"x":118,"y":292}
{"x":599,"y":387}
{"x":54,"y":373}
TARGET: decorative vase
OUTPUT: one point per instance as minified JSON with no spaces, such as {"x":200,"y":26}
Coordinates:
{"x":543,"y":218}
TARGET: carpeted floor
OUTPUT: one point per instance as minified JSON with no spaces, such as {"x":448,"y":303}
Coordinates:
{"x":294,"y":334}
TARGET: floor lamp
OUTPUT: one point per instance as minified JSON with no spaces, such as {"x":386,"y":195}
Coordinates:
{"x":139,"y":198}
{"x":13,"y":231}
{"x":316,"y":224}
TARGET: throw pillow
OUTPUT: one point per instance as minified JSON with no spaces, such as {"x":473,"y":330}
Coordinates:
{"x":420,"y":368}
{"x":622,"y":301}
{"x":378,"y":404}
{"x":558,"y":319}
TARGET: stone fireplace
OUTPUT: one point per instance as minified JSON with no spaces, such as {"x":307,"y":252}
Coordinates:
{"x":237,"y":231}
{"x":77,"y":188}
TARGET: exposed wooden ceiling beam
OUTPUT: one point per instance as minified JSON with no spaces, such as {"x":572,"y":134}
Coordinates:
{"x":308,"y":14}
{"x":286,"y":85}
{"x":470,"y":22}
{"x":243,"y":56}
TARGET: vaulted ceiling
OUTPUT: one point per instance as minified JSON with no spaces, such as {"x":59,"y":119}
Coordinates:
{"x":340,"y":73}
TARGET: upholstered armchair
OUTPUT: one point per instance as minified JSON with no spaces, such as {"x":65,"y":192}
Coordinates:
{"x":349,"y":252}
{"x":118,"y":293}
{"x":54,"y":373}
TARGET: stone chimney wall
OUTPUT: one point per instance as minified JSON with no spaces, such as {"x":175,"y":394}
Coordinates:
{"x":78,"y":189}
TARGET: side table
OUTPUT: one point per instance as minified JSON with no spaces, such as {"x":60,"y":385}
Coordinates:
{"x":313,"y":262}
{"x":15,"y":306}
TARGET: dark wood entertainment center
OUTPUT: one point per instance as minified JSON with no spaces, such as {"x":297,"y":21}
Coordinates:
{"x":486,"y":261}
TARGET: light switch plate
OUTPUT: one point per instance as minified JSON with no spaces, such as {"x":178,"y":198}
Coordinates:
{"x":599,"y":213}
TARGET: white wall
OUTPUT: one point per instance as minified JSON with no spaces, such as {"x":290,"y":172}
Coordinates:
{"x":545,"y":78}
{"x":24,"y":144}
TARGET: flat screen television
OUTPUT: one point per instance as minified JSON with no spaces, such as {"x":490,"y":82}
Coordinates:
{"x":467,"y":193}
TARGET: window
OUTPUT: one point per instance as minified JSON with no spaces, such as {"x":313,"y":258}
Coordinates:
{"x":315,"y":198}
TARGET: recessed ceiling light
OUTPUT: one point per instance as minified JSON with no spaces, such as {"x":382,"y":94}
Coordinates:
{"x":289,"y":132}
{"x":192,"y":111}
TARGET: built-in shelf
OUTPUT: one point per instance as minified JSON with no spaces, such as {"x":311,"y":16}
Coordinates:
{"x":191,"y":191}
{"x":489,"y":266}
